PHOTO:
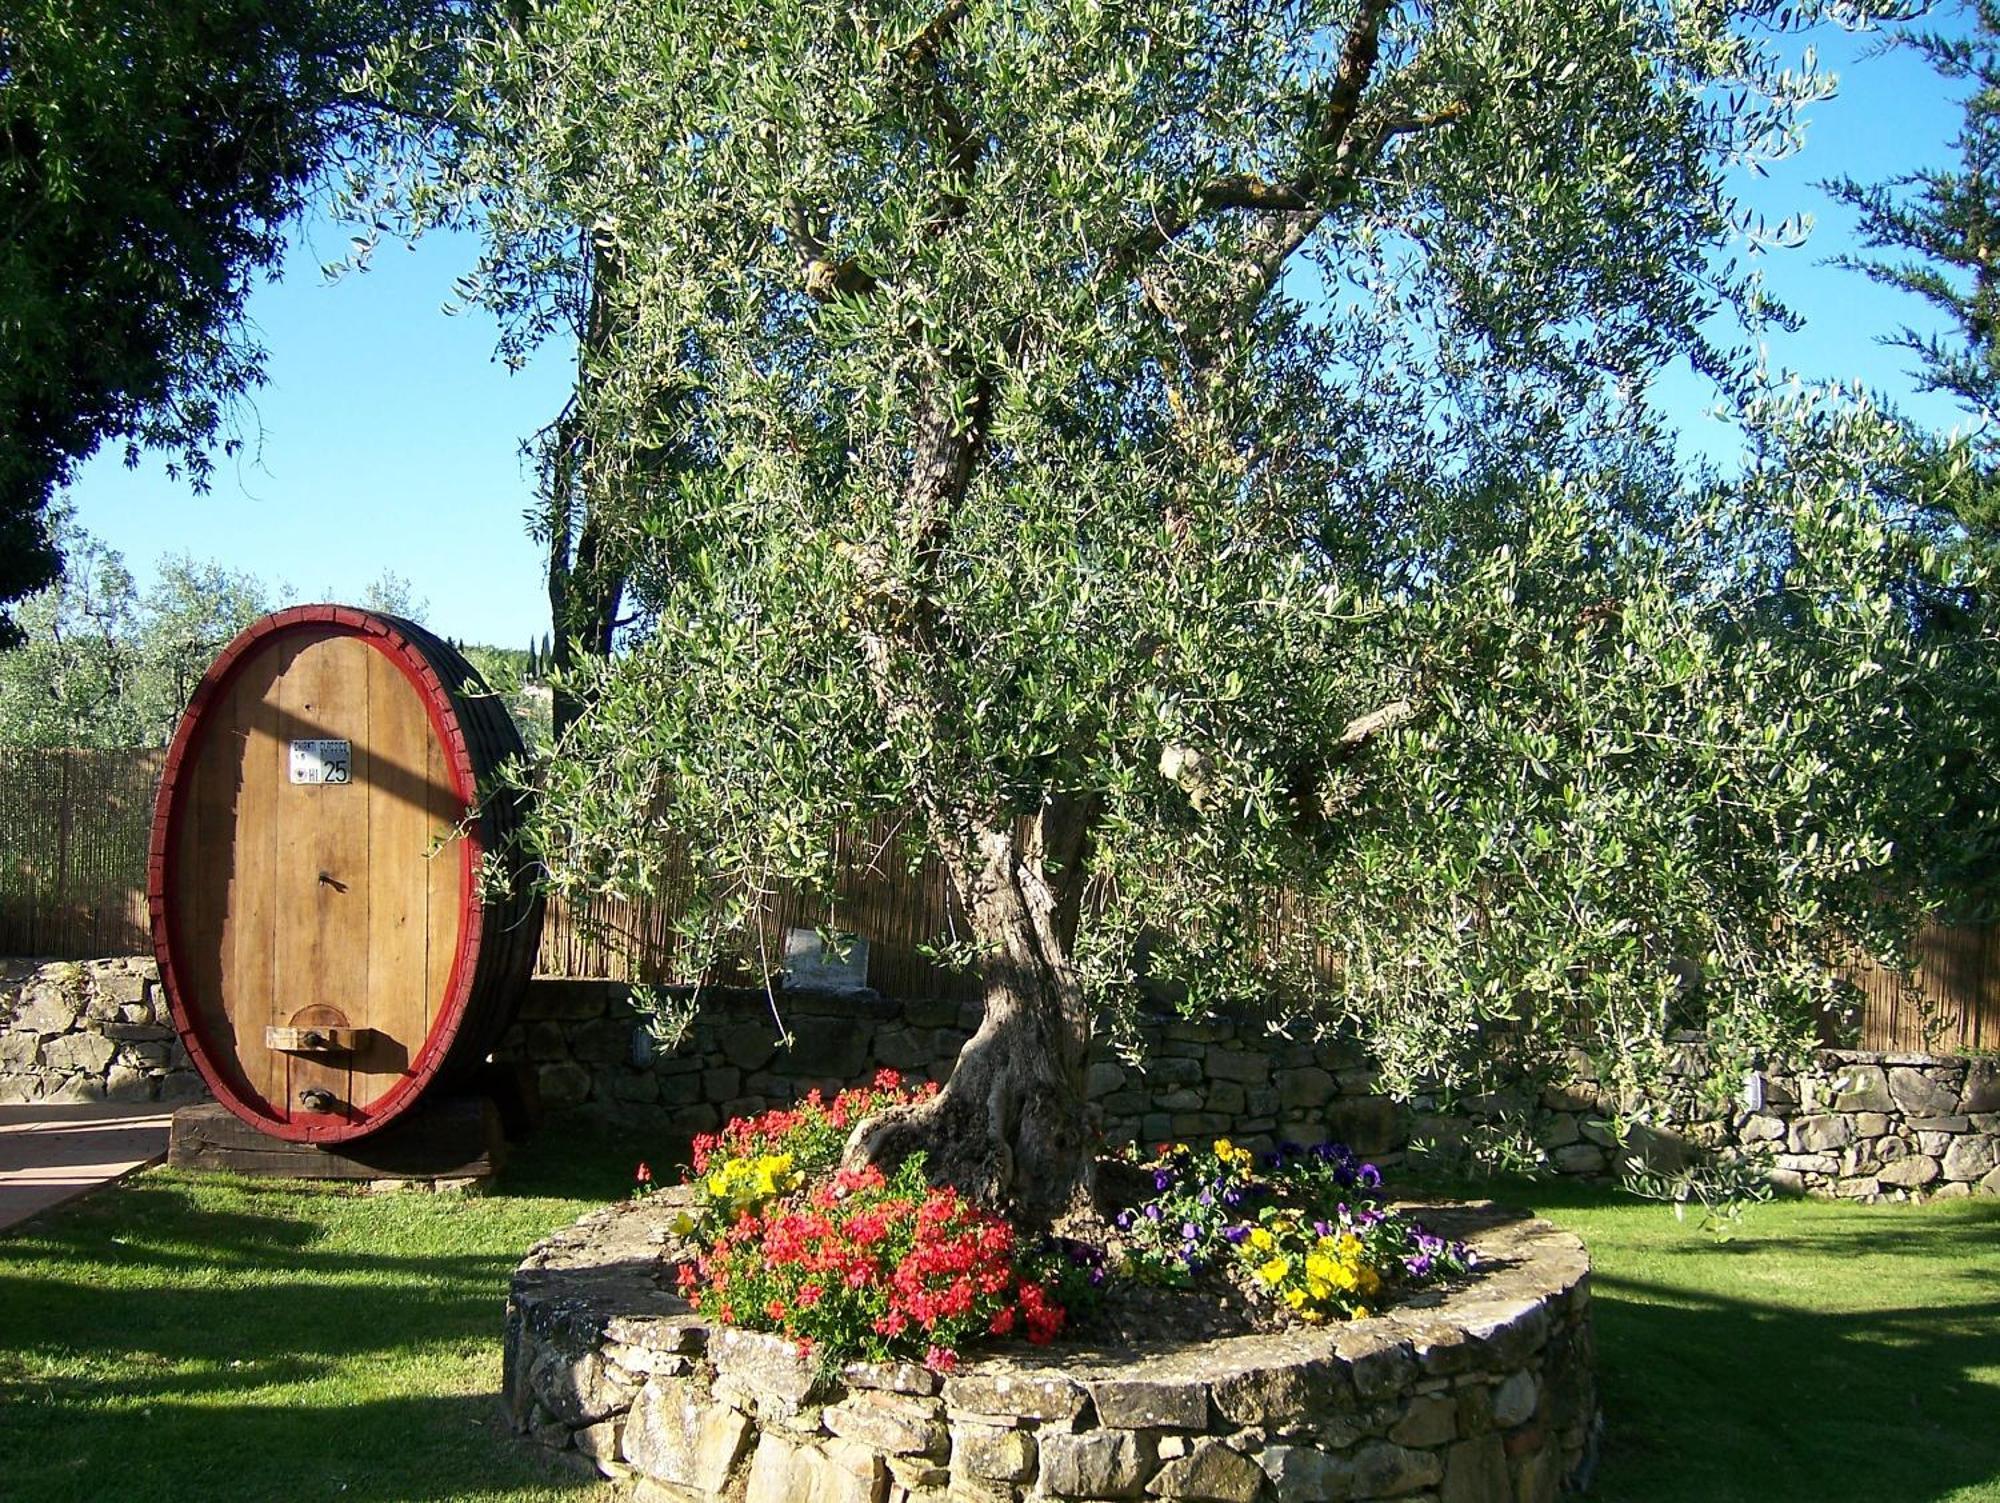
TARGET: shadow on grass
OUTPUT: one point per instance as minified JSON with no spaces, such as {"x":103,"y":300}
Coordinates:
{"x":1723,"y":1399}
{"x":390,"y":1450}
{"x":176,"y":1338}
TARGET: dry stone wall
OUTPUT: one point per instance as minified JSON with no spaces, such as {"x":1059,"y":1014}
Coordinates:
{"x":1479,"y":1394}
{"x":1886,"y":1126}
{"x":1867,"y":1126}
{"x":1196,"y":1079}
{"x":93,"y":1030}
{"x":1841,"y":1123}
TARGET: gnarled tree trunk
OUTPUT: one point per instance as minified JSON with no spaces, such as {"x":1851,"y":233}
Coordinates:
{"x":1010,"y":1126}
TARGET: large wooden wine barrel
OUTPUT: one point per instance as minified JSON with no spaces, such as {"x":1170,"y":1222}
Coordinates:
{"x":324,"y":850}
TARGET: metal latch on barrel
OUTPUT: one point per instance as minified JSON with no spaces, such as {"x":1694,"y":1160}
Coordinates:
{"x":319,"y":1039}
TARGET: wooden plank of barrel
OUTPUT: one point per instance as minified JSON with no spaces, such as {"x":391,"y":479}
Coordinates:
{"x":320,"y":879}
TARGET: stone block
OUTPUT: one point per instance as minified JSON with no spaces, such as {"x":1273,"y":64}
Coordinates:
{"x":1381,"y":1363}
{"x":894,"y":1424}
{"x":78,"y":1088}
{"x":122,"y":1083}
{"x":603,"y":1041}
{"x":993,"y":1453}
{"x":1150,"y":1403}
{"x":1194,"y":1125}
{"x":1475,"y":1471}
{"x":892,"y":1377}
{"x":1095,"y":1463}
{"x":677,"y":1434}
{"x":1515,"y":1399}
{"x":1431,"y":1420}
{"x":1244,"y":1066}
{"x":19,"y":1051}
{"x":1981,"y":1092}
{"x":1306,"y":1472}
{"x":1210,"y":1473}
{"x":761,"y":1362}
{"x":826,"y":1046}
{"x":1183,"y":1099}
{"x":1580,"y":1158}
{"x":771,"y":1471}
{"x":1367,"y":1124}
{"x":748,"y":1046}
{"x":1558,"y":1130}
{"x":1304,"y":1090}
{"x":85,"y":1053}
{"x":1383,"y":1469}
{"x":1862,"y":1088}
{"x":603,"y":1440}
{"x":1909,"y":1173}
{"x":1822,"y":1132}
{"x":1761,"y":1128}
{"x":1956,"y":1123}
{"x":579,"y":1391}
{"x":1263,"y":1395}
{"x":46,"y":1007}
{"x":1000,"y":1392}
{"x":1920,"y":1094}
{"x":721,"y":1084}
{"x":1227,"y":1097}
{"x":903,"y":1048}
{"x":1972,"y":1158}
{"x":1104,"y":1078}
{"x":1159,"y":1072}
{"x":182,"y":1085}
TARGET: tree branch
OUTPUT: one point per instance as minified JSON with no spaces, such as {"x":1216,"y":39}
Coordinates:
{"x":1365,"y":728}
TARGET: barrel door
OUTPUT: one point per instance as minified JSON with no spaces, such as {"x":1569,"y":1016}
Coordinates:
{"x":326,"y":938}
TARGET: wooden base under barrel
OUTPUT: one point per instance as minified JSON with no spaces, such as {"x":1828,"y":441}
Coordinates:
{"x":453,"y":1138}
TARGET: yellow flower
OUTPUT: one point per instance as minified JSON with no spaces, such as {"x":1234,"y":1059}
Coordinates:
{"x":1295,"y":1297}
{"x":1274,"y":1271}
{"x":1261,"y":1239}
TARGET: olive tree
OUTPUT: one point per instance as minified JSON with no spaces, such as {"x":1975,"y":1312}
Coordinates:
{"x":1121,"y":444}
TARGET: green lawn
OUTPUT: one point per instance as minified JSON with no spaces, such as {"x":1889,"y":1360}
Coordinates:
{"x":200,"y":1337}
{"x":1830,"y":1354}
{"x":186,"y":1337}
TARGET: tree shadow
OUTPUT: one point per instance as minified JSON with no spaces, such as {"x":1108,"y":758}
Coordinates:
{"x":391,"y":1450}
{"x":1722,"y":1399}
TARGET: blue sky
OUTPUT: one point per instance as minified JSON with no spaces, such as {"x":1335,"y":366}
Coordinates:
{"x":388,"y":438}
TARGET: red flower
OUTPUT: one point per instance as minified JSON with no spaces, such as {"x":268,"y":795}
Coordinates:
{"x":645,"y":1175}
{"x":940,"y":1359}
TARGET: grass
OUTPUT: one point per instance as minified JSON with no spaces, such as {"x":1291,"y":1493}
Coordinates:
{"x":1829,"y":1353}
{"x":205,"y":1337}
{"x":189,"y":1336}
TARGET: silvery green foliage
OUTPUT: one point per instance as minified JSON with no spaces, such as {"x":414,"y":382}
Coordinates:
{"x":1293,"y":515}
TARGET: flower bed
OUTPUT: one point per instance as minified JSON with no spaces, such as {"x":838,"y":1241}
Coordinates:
{"x":777,"y":1327}
{"x":1479,"y":1392}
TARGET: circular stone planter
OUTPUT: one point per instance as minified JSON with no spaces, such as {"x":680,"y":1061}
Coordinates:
{"x":1482,"y":1393}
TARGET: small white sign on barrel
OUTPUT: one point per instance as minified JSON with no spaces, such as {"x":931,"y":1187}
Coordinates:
{"x":319,"y":761}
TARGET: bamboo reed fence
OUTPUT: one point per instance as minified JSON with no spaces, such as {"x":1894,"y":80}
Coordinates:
{"x":74,"y":826}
